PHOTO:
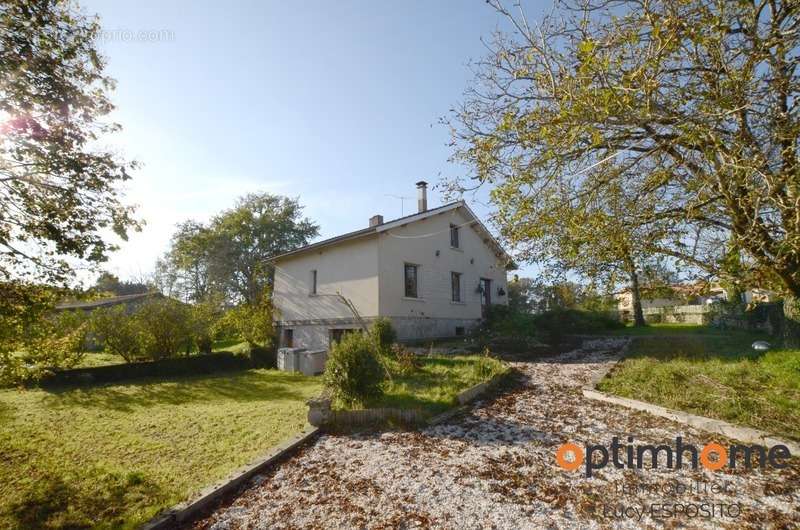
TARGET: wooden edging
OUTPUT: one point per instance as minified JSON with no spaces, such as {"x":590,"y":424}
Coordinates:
{"x":729,"y":430}
{"x":188,"y":510}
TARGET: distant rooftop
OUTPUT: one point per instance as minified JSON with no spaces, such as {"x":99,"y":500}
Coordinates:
{"x":104,"y":302}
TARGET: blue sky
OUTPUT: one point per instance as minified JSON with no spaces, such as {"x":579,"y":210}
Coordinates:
{"x":337,"y":103}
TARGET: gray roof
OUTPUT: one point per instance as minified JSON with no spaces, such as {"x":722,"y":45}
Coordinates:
{"x":88,"y":305}
{"x":398,"y":222}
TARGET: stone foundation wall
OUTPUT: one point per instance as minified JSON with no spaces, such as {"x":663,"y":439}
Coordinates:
{"x":315,"y":335}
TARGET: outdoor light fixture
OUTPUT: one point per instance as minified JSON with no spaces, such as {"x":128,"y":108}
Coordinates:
{"x":437,"y":253}
{"x":501,"y":292}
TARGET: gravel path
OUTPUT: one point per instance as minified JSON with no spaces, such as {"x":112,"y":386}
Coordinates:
{"x":494,"y":467}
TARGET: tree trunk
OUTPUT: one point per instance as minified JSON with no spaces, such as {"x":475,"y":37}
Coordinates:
{"x":636,"y":297}
{"x":791,"y":321}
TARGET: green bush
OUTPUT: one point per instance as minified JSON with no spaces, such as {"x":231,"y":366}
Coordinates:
{"x":165,"y":326}
{"x":203,"y":319}
{"x":384,"y":334}
{"x":353,"y":372}
{"x":118,"y":332}
{"x":509,"y":327}
{"x":552,"y":326}
{"x":251,"y":322}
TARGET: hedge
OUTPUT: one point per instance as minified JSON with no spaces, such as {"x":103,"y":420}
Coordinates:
{"x":193,"y":365}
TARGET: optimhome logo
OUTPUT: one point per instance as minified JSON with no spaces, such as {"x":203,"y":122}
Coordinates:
{"x":637,"y":455}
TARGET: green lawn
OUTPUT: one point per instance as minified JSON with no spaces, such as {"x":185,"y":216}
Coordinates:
{"x":712,"y":373}
{"x":112,"y":456}
{"x":434,"y":386}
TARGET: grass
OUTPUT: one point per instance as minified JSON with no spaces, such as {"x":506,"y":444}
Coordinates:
{"x":433,"y":387}
{"x":712,"y":373}
{"x":113,"y":456}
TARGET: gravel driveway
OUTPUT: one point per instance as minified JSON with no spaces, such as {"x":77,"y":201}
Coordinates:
{"x":494,"y":467}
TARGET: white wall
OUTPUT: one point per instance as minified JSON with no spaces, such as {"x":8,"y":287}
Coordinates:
{"x":405,"y":245}
{"x":350,"y":268}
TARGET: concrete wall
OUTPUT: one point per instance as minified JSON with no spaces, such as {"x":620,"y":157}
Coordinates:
{"x":349,"y":268}
{"x":414,"y":244}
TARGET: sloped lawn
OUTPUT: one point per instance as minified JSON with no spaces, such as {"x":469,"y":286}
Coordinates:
{"x":713,"y":373}
{"x":113,"y":456}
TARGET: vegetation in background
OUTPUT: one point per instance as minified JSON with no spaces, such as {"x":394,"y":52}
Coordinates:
{"x":384,"y":335}
{"x":715,"y":374}
{"x":108,"y":284}
{"x":549,"y":327}
{"x":252,"y":321}
{"x":686,"y":112}
{"x":112,"y":456}
{"x":353,"y":372}
{"x":229,"y":255}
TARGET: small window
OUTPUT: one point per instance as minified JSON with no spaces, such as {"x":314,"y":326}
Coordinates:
{"x":455,"y":285}
{"x":336,"y":335}
{"x":313,"y":289}
{"x":459,"y":331}
{"x":411,"y":281}
{"x":454,"y":237}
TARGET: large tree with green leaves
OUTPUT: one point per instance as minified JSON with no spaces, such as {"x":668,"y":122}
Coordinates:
{"x":229,"y":254}
{"x":689,"y":104}
{"x":59,"y":193}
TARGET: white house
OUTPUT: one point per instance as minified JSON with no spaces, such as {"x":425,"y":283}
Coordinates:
{"x":433,"y":273}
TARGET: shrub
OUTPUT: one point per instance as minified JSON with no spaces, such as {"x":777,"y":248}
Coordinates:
{"x":251,"y":322}
{"x":407,"y":361}
{"x":165,"y":328}
{"x":203,"y":318}
{"x":118,"y":332}
{"x":384,"y":334}
{"x":353,"y":372}
{"x":551,"y":326}
{"x":48,"y":344}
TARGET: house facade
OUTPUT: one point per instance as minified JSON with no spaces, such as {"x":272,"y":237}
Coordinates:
{"x":433,"y":273}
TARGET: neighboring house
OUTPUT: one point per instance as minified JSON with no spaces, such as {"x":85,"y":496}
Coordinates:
{"x":625,"y":301}
{"x":690,"y":294}
{"x":433,"y":273}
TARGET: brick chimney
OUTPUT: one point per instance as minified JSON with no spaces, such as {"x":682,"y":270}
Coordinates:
{"x":422,"y":196}
{"x":376,"y":220}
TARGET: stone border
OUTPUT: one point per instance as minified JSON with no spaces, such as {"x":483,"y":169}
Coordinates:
{"x":186,"y":511}
{"x":729,"y":430}
{"x":465,"y":397}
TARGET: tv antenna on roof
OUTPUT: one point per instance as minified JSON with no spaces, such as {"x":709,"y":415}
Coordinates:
{"x":402,"y":202}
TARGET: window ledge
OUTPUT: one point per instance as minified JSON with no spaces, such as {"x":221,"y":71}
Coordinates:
{"x":456,"y":248}
{"x":413,"y":299}
{"x":452,"y":302}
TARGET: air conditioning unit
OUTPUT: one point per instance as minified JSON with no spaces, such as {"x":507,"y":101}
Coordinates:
{"x":289,"y":360}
